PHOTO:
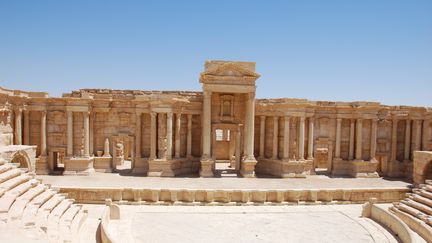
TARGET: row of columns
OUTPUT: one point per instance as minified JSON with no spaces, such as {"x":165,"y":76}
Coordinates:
{"x":286,"y":138}
{"x":169,"y":135}
{"x":69,"y":134}
{"x":416,"y":138}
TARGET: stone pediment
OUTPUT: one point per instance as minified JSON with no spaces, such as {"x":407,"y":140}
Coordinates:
{"x":232,"y":72}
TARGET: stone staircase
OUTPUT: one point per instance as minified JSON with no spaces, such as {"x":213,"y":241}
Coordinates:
{"x":416,"y":210}
{"x":34,"y":212}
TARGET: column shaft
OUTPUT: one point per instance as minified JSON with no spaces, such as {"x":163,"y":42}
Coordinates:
{"x":177,"y":135}
{"x":286,"y":145}
{"x":138,"y":134}
{"x":407,"y":139}
{"x":275,"y":137}
{"x":301,"y":138}
{"x":169,"y":135}
{"x":251,"y":125}
{"x":152,"y":136}
{"x":425,"y":133}
{"x":311,"y":138}
{"x":262,"y":137}
{"x":69,"y":151}
{"x":393,"y":141}
{"x":18,"y":127}
{"x":373,"y":140}
{"x":338,"y":137}
{"x":91,"y":138}
{"x":86,"y":134}
{"x":417,"y":140}
{"x":351,"y":141}
{"x":359,"y":140}
{"x":43,"y":134}
{"x":206,"y":126}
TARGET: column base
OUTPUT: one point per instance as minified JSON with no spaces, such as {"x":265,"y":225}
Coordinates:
{"x":141,"y":166}
{"x":42,"y":167}
{"x":79,"y":166}
{"x":247,"y":167}
{"x":207,"y":167}
{"x":160,"y":168}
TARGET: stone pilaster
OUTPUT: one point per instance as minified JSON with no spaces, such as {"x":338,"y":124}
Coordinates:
{"x":417,"y":135}
{"x":275,"y":137}
{"x":338,"y":138}
{"x":393,"y":140}
{"x":359,"y":140}
{"x":69,"y":151}
{"x":189,"y":137}
{"x":301,"y":138}
{"x":286,"y":138}
{"x":425,"y":133}
{"x":407,"y":140}
{"x":177,"y":136}
{"x":373,"y":140}
{"x":351,"y":141}
{"x":153,"y":135}
{"x":262,"y":137}
{"x":311,"y":139}
{"x":26,"y":127}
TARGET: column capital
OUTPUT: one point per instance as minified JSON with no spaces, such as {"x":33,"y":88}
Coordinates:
{"x":275,"y":117}
{"x":311,"y":119}
{"x":339,"y":119}
{"x":302,"y":118}
{"x":262,"y":117}
{"x":359,"y":119}
{"x":43,"y":112}
{"x":251,"y":95}
{"x":207,"y":93}
{"x":153,"y":114}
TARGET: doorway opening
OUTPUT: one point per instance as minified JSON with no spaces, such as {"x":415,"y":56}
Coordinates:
{"x":224,"y":152}
{"x":58,"y":163}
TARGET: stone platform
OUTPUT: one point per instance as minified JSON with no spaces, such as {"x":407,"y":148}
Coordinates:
{"x":227,"y":191}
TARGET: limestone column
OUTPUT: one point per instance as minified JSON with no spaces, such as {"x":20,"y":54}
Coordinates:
{"x":359,"y":139}
{"x":425,"y":137}
{"x":43,"y":134}
{"x":351,"y":141}
{"x":237,"y":148}
{"x":26,"y":127}
{"x":69,"y":151}
{"x":338,"y":137}
{"x":169,"y":136}
{"x":417,"y":140}
{"x":373,"y":140}
{"x":262,"y":137}
{"x":275,"y":137}
{"x":250,"y":124}
{"x":206,"y":126}
{"x":91,"y":140}
{"x":138,"y":135}
{"x":18,"y":127}
{"x":407,"y":139}
{"x":177,"y":136}
{"x":301,"y":138}
{"x":189,"y":136}
{"x":152,"y":136}
{"x":86,"y":134}
{"x":286,"y":138}
{"x":310,"y":138}
{"x":393,"y":140}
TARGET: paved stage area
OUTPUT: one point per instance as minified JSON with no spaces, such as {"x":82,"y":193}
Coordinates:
{"x":112,"y":180}
{"x":326,"y":223}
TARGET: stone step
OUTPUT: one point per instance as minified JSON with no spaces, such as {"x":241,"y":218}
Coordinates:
{"x":78,"y":221}
{"x":427,"y":188}
{"x":10,"y":196}
{"x":65,"y":225}
{"x":2,"y":161}
{"x":54,"y":219}
{"x":45,"y":210}
{"x":425,"y":193}
{"x":419,"y":206}
{"x":414,"y":212}
{"x":13,"y":182}
{"x":30,"y":212}
{"x":5,"y":167}
{"x":9,"y":174}
{"x":17,"y":208}
{"x":421,"y":199}
{"x":428,"y":182}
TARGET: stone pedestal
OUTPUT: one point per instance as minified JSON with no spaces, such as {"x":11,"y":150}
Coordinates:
{"x":207,"y":168}
{"x":141,"y":166}
{"x":247,"y":167}
{"x":42,"y":167}
{"x":103,"y":164}
{"x":160,"y":168}
{"x":79,"y":166}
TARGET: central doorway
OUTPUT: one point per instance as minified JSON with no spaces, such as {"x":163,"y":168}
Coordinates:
{"x":224,"y":150}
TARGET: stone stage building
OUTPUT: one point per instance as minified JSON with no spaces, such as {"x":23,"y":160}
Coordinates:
{"x":165,"y":133}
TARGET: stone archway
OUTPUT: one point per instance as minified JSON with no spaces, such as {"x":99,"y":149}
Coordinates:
{"x":422,"y":166}
{"x":22,"y":160}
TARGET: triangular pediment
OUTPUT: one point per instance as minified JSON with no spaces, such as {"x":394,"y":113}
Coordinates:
{"x":229,"y":69}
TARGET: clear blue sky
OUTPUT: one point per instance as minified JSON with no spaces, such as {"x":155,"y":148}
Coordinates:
{"x":378,"y":50}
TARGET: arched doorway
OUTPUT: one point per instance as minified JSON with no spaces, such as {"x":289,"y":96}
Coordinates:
{"x":21,"y":160}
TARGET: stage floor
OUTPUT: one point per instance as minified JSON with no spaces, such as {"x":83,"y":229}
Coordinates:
{"x":320,"y":182}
